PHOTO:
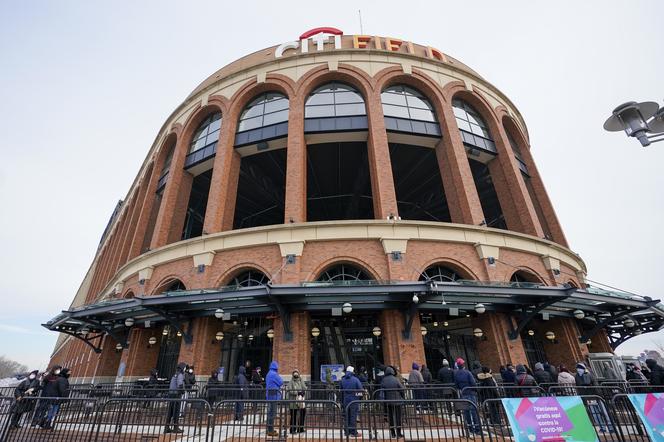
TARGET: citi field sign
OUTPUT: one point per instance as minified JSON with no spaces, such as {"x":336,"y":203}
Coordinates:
{"x":326,"y":38}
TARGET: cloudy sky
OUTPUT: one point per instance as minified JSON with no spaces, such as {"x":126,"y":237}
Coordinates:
{"x":85,"y":86}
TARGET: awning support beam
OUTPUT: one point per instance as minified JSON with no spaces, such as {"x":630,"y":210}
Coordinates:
{"x":526,"y":317}
{"x":409,"y":317}
{"x":174,"y":321}
{"x":283,"y":313}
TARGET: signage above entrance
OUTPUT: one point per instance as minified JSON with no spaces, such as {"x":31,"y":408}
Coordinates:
{"x":327,"y":38}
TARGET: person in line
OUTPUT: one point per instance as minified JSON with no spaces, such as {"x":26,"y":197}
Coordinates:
{"x":523,"y":379}
{"x":393,"y":392}
{"x":426,"y":375}
{"x":362,"y":375}
{"x":242,"y":384}
{"x":508,"y":375}
{"x":634,"y":374}
{"x":296,"y":392}
{"x":656,"y":372}
{"x":598,"y":413}
{"x":53,"y":387}
{"x":565,"y":379}
{"x":486,"y":379}
{"x":542,"y":376}
{"x":213,"y":387}
{"x":351,"y":391}
{"x":463,"y":379}
{"x":446,"y":374}
{"x":552,"y":371}
{"x":476,"y":369}
{"x":256,"y":377}
{"x":26,"y":389}
{"x":150,"y":389}
{"x":273,"y":383}
{"x":175,"y":392}
{"x":416,"y":382}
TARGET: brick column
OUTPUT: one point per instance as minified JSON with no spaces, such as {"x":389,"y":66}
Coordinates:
{"x":141,"y":358}
{"x":566,"y":349}
{"x":380,"y":165}
{"x":207,"y":351}
{"x":296,"y":353}
{"x":225,"y":174}
{"x":460,"y":191}
{"x":600,"y":343}
{"x":296,"y":165}
{"x":107,"y":362}
{"x":397,"y":350}
{"x":498,"y":349}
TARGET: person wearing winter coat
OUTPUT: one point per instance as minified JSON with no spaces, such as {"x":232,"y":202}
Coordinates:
{"x":256,"y":377}
{"x":584,"y":378}
{"x":542,"y":376}
{"x":508,"y":375}
{"x":362,"y":375}
{"x":656,"y":372}
{"x":416,"y":382}
{"x":27,"y":388}
{"x":476,"y":369}
{"x":175,"y":391}
{"x":393,"y":392}
{"x":296,"y":391}
{"x":426,"y":375}
{"x":212,"y":387}
{"x":565,"y":379}
{"x":486,"y":379}
{"x":446,"y":374}
{"x":273,"y":383}
{"x":463,"y":379}
{"x":523,"y":379}
{"x":53,"y":386}
{"x":351,"y":391}
{"x":552,"y":371}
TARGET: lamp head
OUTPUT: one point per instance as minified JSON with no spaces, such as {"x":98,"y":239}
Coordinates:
{"x":632,"y":118}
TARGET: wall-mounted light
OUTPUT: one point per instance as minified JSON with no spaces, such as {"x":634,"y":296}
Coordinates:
{"x":347,"y":307}
{"x":164,"y":332}
{"x":219,"y":336}
{"x":478,"y":333}
{"x":579,"y":314}
{"x":445,"y":324}
{"x":416,"y":299}
{"x":118,"y":348}
{"x":179,"y":334}
{"x":129,"y":322}
{"x":629,"y":323}
{"x":551,"y":336}
{"x":435,"y":323}
{"x":315,"y":332}
{"x":270,"y":334}
{"x":531,"y":332}
{"x":424,"y":330}
{"x":250,"y":337}
{"x":480,"y":308}
{"x":219,"y":313}
{"x":376,"y":331}
{"x":152,"y":341}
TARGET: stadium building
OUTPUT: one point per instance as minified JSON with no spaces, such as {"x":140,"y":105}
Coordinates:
{"x":333,"y":200}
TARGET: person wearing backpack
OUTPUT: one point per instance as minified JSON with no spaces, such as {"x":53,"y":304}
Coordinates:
{"x":523,"y":379}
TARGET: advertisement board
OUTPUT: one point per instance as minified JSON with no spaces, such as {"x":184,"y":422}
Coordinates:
{"x":650,"y":408}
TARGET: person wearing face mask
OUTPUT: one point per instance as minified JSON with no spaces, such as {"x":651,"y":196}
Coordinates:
{"x":295,"y":391}
{"x":584,"y":378}
{"x":175,"y":389}
{"x":27,"y":388}
{"x":52,"y":387}
{"x":189,"y":386}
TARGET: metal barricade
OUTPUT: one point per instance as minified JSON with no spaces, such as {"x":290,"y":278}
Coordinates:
{"x":504,"y":391}
{"x":265,"y":420}
{"x":606,"y":392}
{"x":627,"y":420}
{"x":45,"y":419}
{"x":165,"y":419}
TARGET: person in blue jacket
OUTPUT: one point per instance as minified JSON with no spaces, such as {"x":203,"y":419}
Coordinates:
{"x":273,"y":383}
{"x":351,"y":391}
{"x":463,"y":378}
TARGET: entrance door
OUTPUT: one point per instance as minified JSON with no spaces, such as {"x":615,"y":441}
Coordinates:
{"x":346,"y":341}
{"x":169,"y":351}
{"x":534,"y":351}
{"x":450,"y":345}
{"x":246,"y":340}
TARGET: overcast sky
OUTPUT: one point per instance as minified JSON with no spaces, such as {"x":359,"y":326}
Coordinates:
{"x":85,"y":87}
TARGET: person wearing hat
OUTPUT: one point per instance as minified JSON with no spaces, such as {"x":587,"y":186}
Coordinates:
{"x":393,"y":392}
{"x":446,"y":374}
{"x":295,"y":391}
{"x":416,"y":382}
{"x":584,"y":378}
{"x":273,"y":383}
{"x":351,"y":392}
{"x":175,"y":392}
{"x":541,"y":375}
{"x":465,"y":383}
{"x":53,"y":386}
{"x":27,"y":388}
{"x":656,"y":372}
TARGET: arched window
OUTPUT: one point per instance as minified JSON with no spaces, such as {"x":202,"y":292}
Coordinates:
{"x":174,"y":285}
{"x":204,"y":142}
{"x":264,"y":118}
{"x":335,"y":107}
{"x":249,"y":278}
{"x":517,"y":152}
{"x":408,"y":110}
{"x":473,"y":128}
{"x":341,"y":273}
{"x":521,"y":278}
{"x":440,"y":273}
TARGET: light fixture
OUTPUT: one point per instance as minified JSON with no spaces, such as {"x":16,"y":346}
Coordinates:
{"x":415,"y":298}
{"x":118,"y":347}
{"x":234,"y":322}
{"x":219,"y":336}
{"x":531,"y":332}
{"x":219,"y":313}
{"x":270,"y":334}
{"x":478,"y":333}
{"x":129,"y":322}
{"x":629,"y":323}
{"x":578,"y":314}
{"x":480,"y":308}
{"x":250,"y":337}
{"x":435,"y":323}
{"x":445,"y":324}
{"x":246,"y":323}
{"x":152,"y":340}
{"x":240,"y":337}
{"x":315,"y":332}
{"x":164,"y":332}
{"x":550,"y":335}
{"x":588,"y":342}
{"x":424,"y":330}
{"x":179,"y":333}
{"x":347,"y":307}
{"x":85,"y":331}
{"x":376,"y":331}
{"x":637,"y":332}
{"x":632,"y":117}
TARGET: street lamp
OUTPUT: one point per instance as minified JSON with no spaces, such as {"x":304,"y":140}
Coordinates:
{"x":638,"y":120}
{"x":578,"y":314}
{"x":315,"y":332}
{"x":347,"y":307}
{"x":219,"y":313}
{"x":480,"y":308}
{"x":376,"y":331}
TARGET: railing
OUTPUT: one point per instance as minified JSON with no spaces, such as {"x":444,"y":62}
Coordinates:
{"x":171,"y":419}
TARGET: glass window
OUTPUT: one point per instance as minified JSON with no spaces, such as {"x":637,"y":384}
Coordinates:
{"x":413,"y":105}
{"x":470,"y":120}
{"x":266,"y":109}
{"x":207,"y":132}
{"x":334,"y":100}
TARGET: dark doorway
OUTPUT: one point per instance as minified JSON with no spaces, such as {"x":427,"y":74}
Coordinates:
{"x":417,"y":183}
{"x":346,"y":340}
{"x":169,"y":351}
{"x":195,"y":217}
{"x":261,"y":190}
{"x":338,"y":182}
{"x":450,"y":339}
{"x":493,"y":213}
{"x":534,"y":349}
{"x":245,"y":339}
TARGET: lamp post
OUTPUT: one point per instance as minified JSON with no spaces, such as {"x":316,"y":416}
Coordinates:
{"x":643,"y":121}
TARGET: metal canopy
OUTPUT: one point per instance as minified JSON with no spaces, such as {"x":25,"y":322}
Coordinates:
{"x":604,"y":309}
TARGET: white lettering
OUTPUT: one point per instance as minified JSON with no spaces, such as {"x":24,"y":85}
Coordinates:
{"x":285,"y":46}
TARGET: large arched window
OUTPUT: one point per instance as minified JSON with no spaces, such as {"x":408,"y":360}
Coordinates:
{"x":264,"y":118}
{"x":344,"y":273}
{"x":440,"y":273}
{"x":522,"y":278}
{"x":408,"y":110}
{"x":335,"y":107}
{"x":204,"y":142}
{"x":249,"y":278}
{"x":473,"y":128}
